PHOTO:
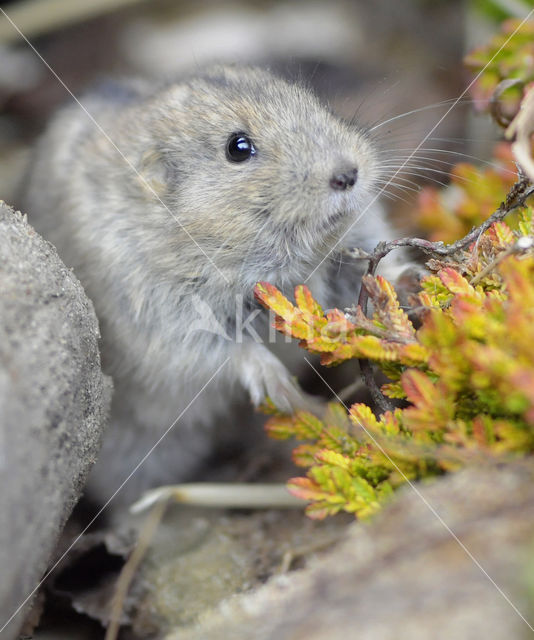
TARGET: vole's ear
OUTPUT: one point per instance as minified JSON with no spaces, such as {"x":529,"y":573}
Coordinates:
{"x":152,"y":173}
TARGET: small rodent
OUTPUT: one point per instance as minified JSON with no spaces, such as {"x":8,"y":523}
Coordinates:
{"x":217,"y":181}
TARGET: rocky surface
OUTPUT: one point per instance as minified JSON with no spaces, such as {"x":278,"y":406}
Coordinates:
{"x":53,"y":405}
{"x":449,"y":560}
{"x":198,"y":558}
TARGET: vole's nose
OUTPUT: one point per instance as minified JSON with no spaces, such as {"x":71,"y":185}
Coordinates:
{"x":344,"y":179}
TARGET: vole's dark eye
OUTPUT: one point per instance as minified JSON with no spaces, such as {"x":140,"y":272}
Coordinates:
{"x":239,"y":147}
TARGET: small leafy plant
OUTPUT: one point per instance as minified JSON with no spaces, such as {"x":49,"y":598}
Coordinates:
{"x":467,"y":373}
{"x":461,"y":365}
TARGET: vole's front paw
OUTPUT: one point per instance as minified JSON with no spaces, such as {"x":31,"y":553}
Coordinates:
{"x":283,"y":390}
{"x":263,"y":375}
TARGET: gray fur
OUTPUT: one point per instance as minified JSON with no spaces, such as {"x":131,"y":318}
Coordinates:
{"x":270,"y":218}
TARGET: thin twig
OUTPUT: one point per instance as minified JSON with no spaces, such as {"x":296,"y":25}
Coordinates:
{"x":522,"y":245}
{"x":221,"y":495}
{"x":129,"y":570}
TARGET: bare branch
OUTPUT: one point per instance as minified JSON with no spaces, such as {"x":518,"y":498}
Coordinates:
{"x":515,"y":198}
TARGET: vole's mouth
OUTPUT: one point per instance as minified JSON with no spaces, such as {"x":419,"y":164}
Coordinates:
{"x":338,"y":215}
{"x":331,"y":220}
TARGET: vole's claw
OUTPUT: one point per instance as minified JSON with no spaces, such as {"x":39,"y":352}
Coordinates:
{"x":264,"y":376}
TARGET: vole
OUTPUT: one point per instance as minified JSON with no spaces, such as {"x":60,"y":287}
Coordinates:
{"x":183,"y":197}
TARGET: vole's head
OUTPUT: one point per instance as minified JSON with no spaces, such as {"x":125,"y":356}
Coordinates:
{"x":258,"y":171}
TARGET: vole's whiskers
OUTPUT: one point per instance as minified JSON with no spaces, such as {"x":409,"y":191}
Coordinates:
{"x":401,"y":157}
{"x":392,"y":190}
{"x":428,"y":163}
{"x":461,"y":154}
{"x":424,"y":177}
{"x":421,"y":171}
{"x":399,"y":181}
{"x":394,"y":196}
{"x":436,"y":105}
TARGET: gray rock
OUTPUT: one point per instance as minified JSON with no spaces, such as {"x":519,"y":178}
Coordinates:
{"x":54,"y":401}
{"x":198,"y":558}
{"x":449,"y":560}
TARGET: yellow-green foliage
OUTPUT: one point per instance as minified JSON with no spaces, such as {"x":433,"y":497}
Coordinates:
{"x":467,"y":373}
